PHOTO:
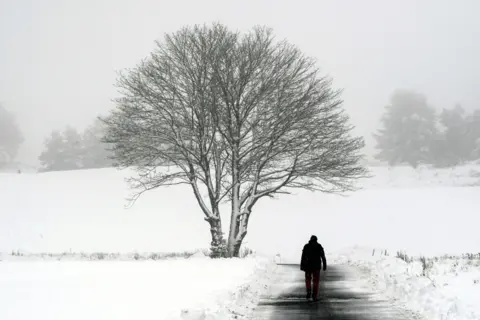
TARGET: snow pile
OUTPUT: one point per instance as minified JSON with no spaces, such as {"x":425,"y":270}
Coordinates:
{"x":240,"y":301}
{"x":194,"y":288}
{"x":439,"y":288}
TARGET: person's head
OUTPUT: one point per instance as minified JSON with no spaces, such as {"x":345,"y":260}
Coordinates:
{"x":313,"y":239}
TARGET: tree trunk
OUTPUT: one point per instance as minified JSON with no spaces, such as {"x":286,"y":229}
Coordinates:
{"x":239,"y":229}
{"x":234,"y":220}
{"x":239,"y":220}
{"x":231,"y":237}
{"x":217,"y":246}
{"x":236,"y":250}
{"x":235,"y":238}
{"x":236,"y":247}
{"x":235,"y":214}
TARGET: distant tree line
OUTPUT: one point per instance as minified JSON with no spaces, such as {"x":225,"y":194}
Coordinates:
{"x":69,"y":149}
{"x":414,"y":133}
{"x":65,"y":149}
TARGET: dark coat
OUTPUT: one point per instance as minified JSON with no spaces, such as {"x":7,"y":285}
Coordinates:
{"x":313,"y":256}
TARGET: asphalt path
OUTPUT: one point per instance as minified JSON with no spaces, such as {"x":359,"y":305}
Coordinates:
{"x":337,"y":300}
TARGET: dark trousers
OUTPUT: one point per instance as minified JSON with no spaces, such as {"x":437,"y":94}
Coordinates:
{"x":315,"y":276}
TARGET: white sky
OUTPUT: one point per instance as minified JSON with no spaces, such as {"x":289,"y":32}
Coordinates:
{"x":58,"y":58}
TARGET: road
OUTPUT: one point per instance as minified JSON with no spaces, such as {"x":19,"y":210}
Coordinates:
{"x":287,"y":299}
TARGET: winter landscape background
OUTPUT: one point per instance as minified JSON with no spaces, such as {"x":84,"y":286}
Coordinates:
{"x":69,"y":247}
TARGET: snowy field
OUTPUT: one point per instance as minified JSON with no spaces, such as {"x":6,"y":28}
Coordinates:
{"x":84,"y":211}
{"x":194,"y":288}
{"x":422,"y":212}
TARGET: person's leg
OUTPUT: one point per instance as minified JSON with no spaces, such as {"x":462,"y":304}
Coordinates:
{"x":316,"y":280}
{"x":308,"y":283}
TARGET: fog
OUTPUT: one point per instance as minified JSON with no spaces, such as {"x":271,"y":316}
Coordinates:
{"x":58,"y":59}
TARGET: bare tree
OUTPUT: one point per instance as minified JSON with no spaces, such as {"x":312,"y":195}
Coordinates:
{"x":240,"y":116}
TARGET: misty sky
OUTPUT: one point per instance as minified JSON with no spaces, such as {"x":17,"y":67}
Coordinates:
{"x":58,"y":58}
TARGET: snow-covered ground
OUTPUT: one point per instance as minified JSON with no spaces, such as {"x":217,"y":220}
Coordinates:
{"x":193,"y":288}
{"x":423,"y":212}
{"x":84,"y":211}
{"x":446,"y":288}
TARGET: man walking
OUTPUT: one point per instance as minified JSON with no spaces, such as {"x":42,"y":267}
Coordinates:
{"x":313,"y":256}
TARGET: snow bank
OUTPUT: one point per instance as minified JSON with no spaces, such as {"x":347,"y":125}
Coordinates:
{"x":438,"y":288}
{"x":195,"y":288}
